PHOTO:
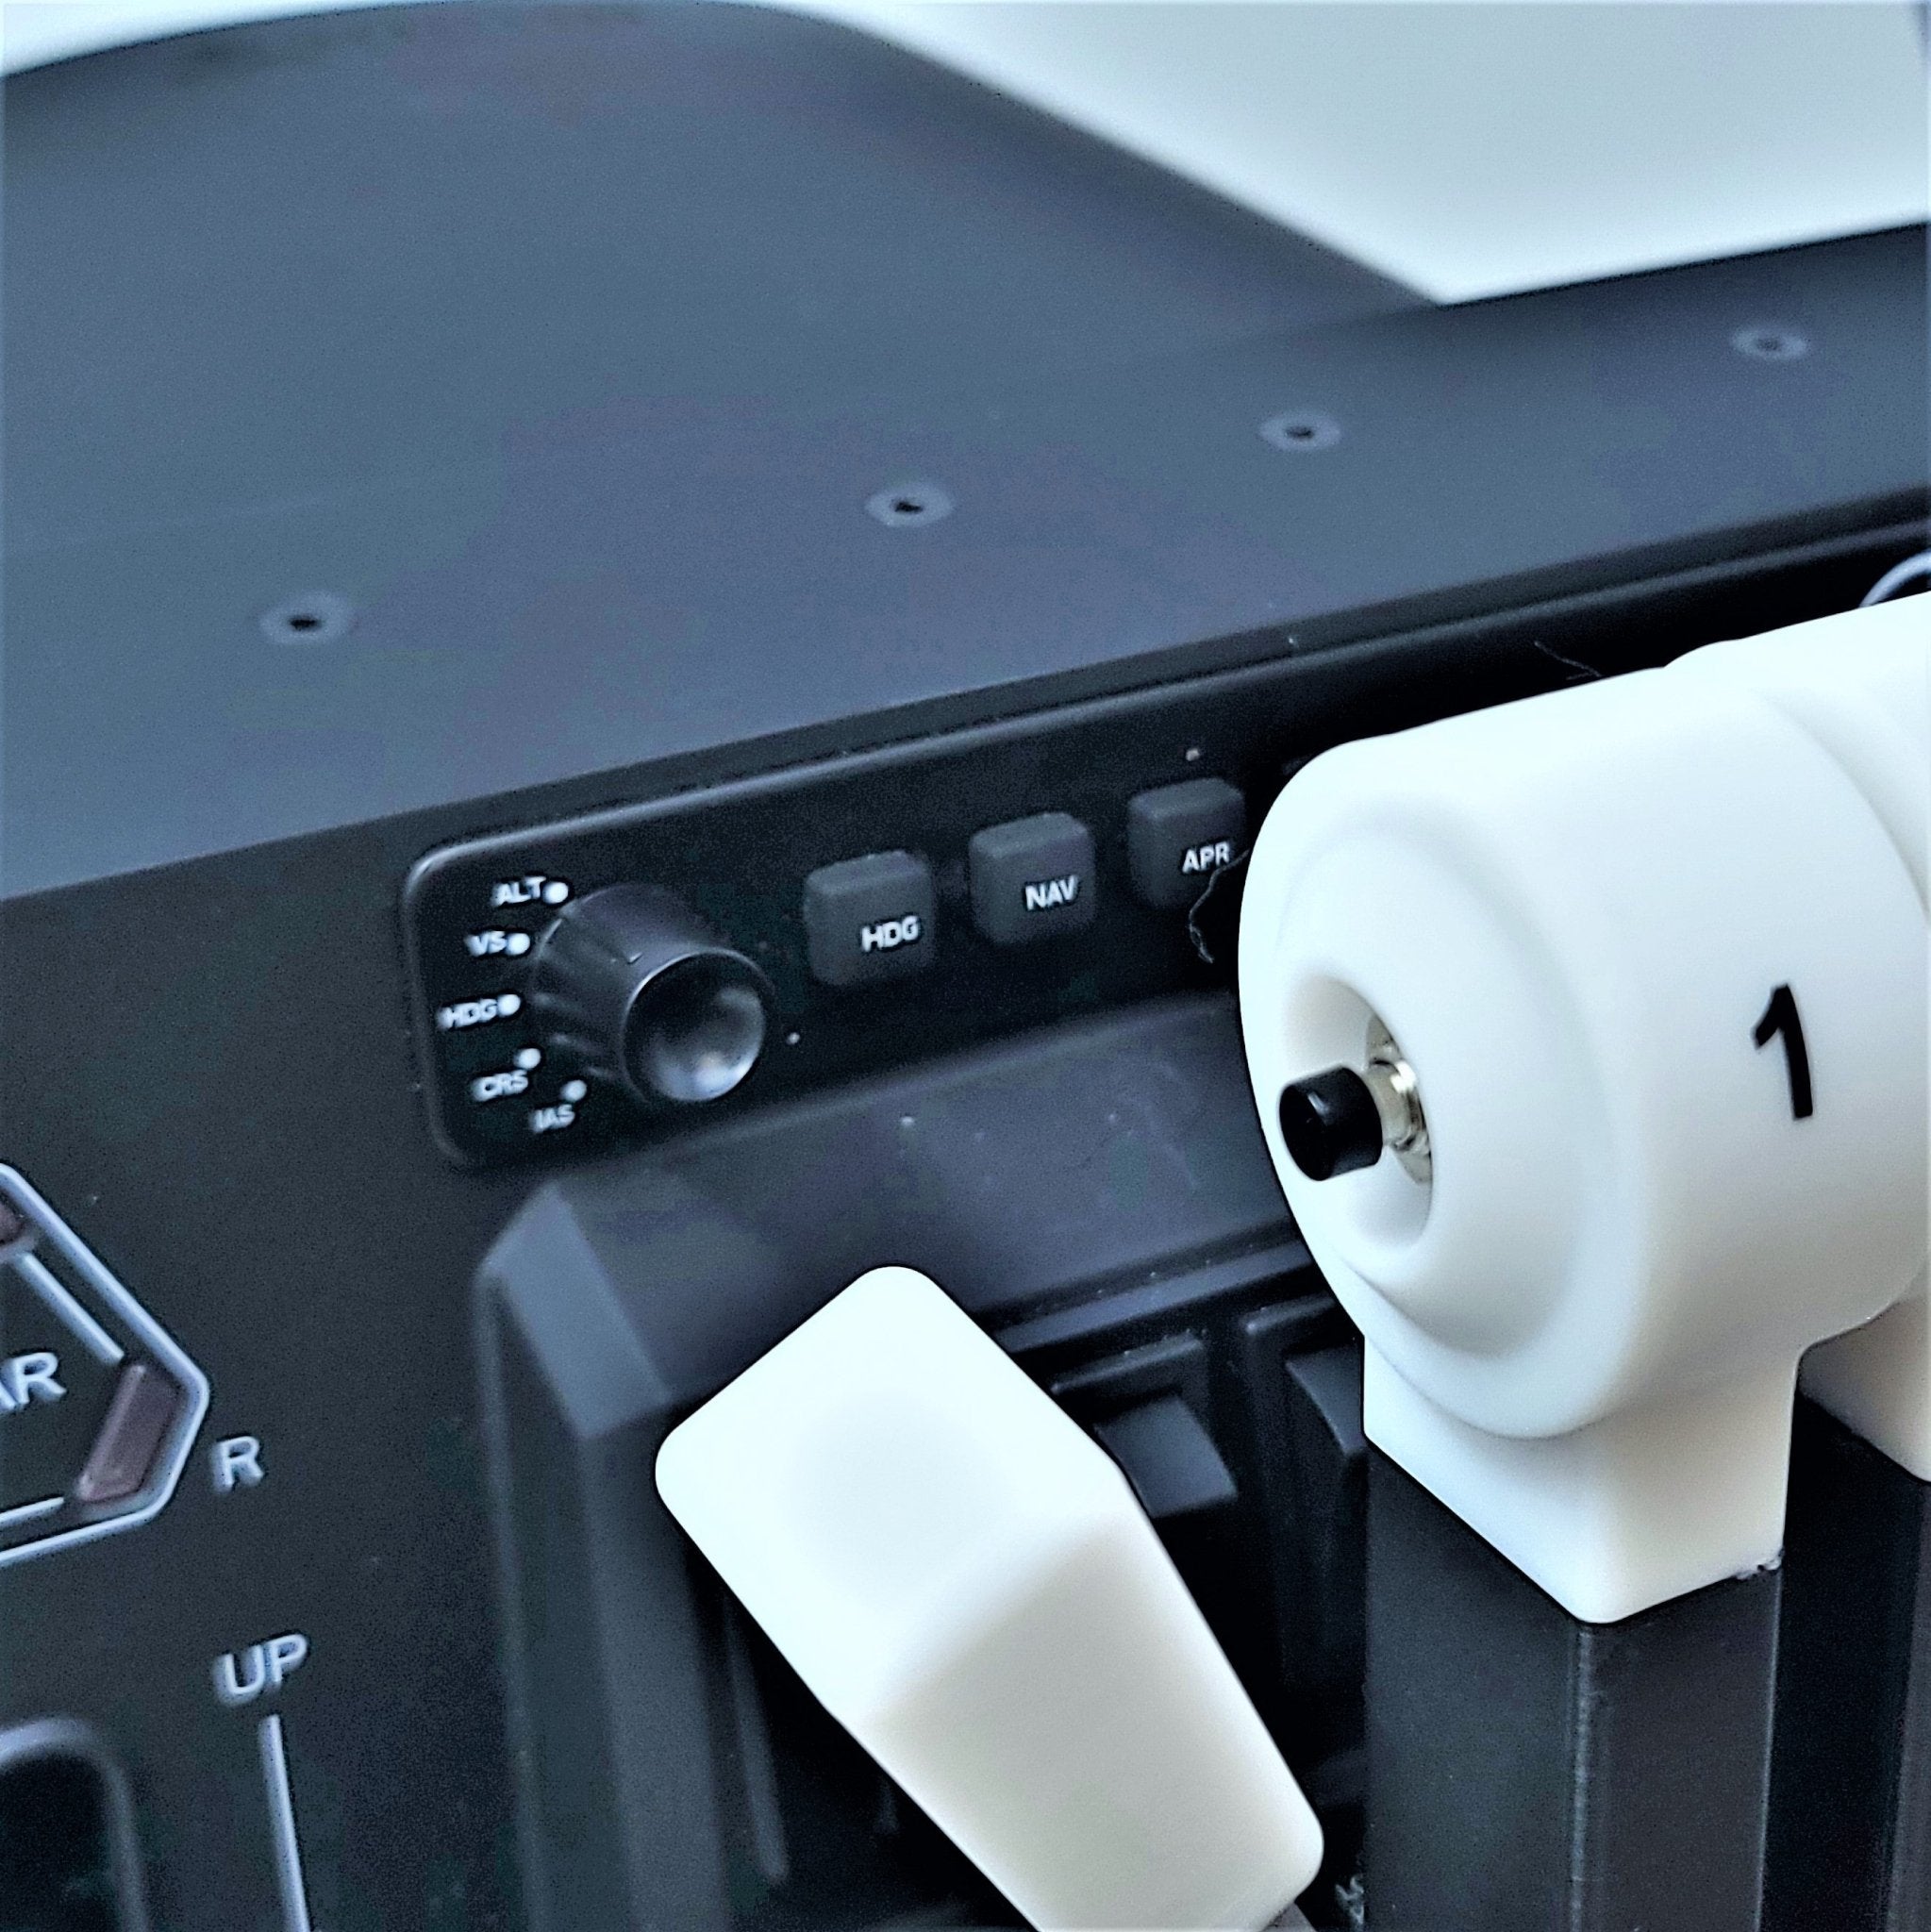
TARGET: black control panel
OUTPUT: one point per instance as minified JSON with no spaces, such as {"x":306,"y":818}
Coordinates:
{"x":614,"y":974}
{"x":623,"y":973}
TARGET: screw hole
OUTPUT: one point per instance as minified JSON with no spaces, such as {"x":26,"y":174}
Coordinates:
{"x":1770,"y":341}
{"x":908,"y":504}
{"x":1300,"y":430}
{"x":315,"y":617}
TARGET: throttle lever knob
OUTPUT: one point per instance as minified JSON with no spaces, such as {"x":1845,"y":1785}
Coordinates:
{"x":1655,"y":951}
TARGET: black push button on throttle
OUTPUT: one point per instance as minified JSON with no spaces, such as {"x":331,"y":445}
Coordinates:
{"x":631,"y":981}
{"x":1331,"y":1124}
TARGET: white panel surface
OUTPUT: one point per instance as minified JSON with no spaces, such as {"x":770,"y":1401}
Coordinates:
{"x":1466,"y":147}
{"x":1474,"y":149}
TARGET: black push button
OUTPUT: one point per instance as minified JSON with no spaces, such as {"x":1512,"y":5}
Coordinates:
{"x":1331,"y":1124}
{"x":870,"y":919}
{"x":1179,"y":836}
{"x":1031,"y":879}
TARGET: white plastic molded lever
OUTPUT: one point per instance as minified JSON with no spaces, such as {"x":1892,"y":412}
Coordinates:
{"x":1861,"y":687}
{"x":964,"y":1579}
{"x":1652,"y":954}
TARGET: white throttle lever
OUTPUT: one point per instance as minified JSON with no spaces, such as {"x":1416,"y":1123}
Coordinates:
{"x":1589,"y":1037}
{"x":964,"y":1579}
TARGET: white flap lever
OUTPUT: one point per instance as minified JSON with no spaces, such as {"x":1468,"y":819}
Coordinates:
{"x":965,"y":1580}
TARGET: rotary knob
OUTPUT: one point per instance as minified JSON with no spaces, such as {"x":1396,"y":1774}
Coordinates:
{"x":644,"y":996}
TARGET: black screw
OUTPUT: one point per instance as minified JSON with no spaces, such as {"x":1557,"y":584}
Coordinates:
{"x":315,"y":617}
{"x":910,"y":503}
{"x":1331,"y":1124}
{"x":1771,"y":343}
{"x":1297,"y":430}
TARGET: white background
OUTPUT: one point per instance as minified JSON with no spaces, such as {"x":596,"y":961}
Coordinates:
{"x":1468,"y":147}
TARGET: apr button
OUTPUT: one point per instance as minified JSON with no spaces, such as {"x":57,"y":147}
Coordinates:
{"x":1031,"y":877}
{"x":1179,"y":836}
{"x":870,"y":919}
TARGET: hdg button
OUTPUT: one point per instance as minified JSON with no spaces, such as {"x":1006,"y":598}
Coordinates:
{"x":870,"y":919}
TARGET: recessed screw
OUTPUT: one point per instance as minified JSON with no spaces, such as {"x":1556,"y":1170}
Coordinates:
{"x":313,"y":617}
{"x":1770,"y":342}
{"x":1301,"y":431}
{"x":906,"y":504}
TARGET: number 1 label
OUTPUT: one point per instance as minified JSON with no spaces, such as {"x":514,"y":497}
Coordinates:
{"x":1781,"y":1019}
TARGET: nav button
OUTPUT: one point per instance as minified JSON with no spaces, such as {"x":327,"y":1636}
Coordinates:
{"x":870,"y":919}
{"x":1031,"y":879}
